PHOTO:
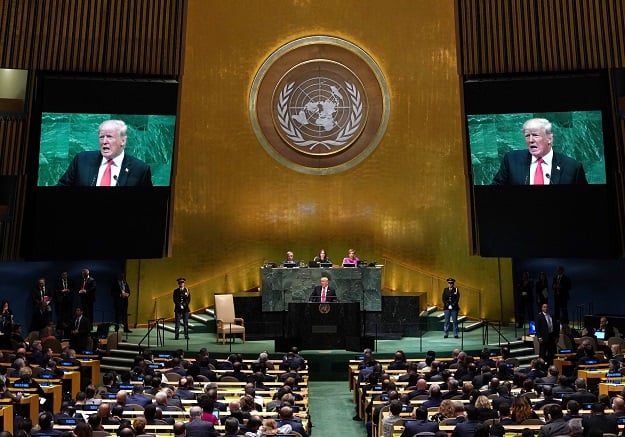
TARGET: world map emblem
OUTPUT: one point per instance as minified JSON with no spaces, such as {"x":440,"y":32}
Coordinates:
{"x":319,"y":105}
{"x":322,"y":113}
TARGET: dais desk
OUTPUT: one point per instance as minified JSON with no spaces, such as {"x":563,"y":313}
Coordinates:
{"x":282,"y":286}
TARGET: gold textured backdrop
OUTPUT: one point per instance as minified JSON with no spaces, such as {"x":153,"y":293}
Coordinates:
{"x":405,"y":206}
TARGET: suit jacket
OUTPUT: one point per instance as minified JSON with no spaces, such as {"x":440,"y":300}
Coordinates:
{"x":556,"y":427}
{"x":90,"y":287}
{"x":562,"y":288}
{"x":59,"y":296}
{"x":200,"y":428}
{"x":116,"y":289}
{"x":79,"y":341}
{"x":466,"y":429}
{"x":413,"y":427}
{"x":604,"y":423}
{"x":38,"y":298}
{"x":83,"y":171}
{"x":581,"y":396}
{"x":515,"y":169}
{"x":316,"y":295}
{"x":542,"y":328}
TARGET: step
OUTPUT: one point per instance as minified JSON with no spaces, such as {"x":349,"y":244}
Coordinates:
{"x":431,"y":309}
{"x":172,"y":327}
{"x":202,"y":318}
{"x":471,"y":326}
{"x":527,"y":358}
{"x":118,"y":369}
{"x":128,"y":353}
{"x":521,"y":351}
{"x":210,"y":312}
{"x":118,"y":361}
{"x":129,"y":346}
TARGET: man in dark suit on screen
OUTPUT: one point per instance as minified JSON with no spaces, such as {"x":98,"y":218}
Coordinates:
{"x":110,"y":166}
{"x":323,"y":293}
{"x":539,"y":164}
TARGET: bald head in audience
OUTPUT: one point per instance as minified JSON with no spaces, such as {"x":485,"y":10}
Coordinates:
{"x":121,"y":397}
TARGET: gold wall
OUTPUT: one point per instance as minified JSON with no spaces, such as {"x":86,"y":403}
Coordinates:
{"x":405,"y":206}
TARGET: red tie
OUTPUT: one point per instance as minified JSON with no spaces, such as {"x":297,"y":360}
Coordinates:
{"x":539,"y":179}
{"x":323,"y":295}
{"x":106,"y":177}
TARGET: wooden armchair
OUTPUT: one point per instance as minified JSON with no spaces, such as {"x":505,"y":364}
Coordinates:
{"x":227,"y":322}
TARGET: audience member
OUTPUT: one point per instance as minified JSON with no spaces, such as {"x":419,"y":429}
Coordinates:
{"x":555,"y":423}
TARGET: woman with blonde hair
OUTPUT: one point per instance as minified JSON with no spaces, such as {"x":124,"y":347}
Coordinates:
{"x":484,"y":408}
{"x":270,"y":427}
{"x":445,"y":411}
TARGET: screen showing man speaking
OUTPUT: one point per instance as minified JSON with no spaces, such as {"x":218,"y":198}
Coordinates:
{"x":76,"y":147}
{"x":506,"y":148}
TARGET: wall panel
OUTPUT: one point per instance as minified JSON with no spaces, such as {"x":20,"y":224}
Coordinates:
{"x":540,"y":35}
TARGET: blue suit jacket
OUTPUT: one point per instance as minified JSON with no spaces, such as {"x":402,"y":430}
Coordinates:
{"x":83,"y":171}
{"x":515,"y":170}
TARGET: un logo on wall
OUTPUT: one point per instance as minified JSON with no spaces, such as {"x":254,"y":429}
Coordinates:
{"x":319,"y":105}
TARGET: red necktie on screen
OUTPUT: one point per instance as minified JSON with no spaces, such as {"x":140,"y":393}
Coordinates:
{"x":539,"y":179}
{"x":323,"y":295}
{"x":106,"y":177}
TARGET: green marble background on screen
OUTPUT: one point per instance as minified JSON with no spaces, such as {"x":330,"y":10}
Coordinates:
{"x":150,"y":138}
{"x":576,"y":134}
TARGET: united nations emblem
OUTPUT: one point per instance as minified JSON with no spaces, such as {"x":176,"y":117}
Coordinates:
{"x":319,"y":105}
{"x":321,"y":111}
{"x":324,"y":308}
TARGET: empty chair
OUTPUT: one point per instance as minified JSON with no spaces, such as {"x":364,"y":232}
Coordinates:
{"x":616,"y":340}
{"x":173,"y":376}
{"x":53,"y":344}
{"x":227,"y":323}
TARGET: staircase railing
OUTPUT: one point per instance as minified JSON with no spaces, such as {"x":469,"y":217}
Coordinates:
{"x":159,"y":325}
{"x":432,"y":284}
{"x":485,"y":327}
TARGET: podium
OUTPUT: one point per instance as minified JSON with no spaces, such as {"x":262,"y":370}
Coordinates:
{"x":323,"y":325}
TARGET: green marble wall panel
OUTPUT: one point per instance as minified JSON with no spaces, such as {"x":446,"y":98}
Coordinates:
{"x":281,"y":286}
{"x":576,"y":134}
{"x":63,"y":135}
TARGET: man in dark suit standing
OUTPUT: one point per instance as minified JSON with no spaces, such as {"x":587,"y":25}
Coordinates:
{"x":561,"y":294}
{"x":86,"y":293}
{"x":42,"y":311}
{"x":323,"y":293}
{"x":63,"y":302}
{"x":79,"y":335}
{"x":110,"y":166}
{"x":547,"y":331}
{"x":539,"y":164}
{"x":120,"y":291}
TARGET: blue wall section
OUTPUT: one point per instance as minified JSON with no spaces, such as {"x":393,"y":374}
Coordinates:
{"x":17,"y":280}
{"x":597,"y":282}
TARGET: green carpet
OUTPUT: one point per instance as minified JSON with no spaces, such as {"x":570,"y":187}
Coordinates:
{"x":332,"y":409}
